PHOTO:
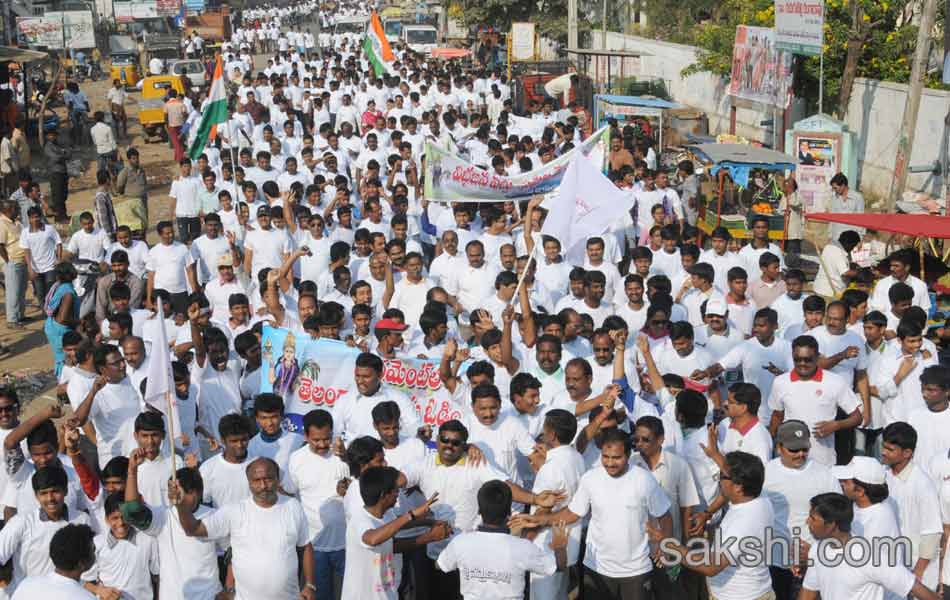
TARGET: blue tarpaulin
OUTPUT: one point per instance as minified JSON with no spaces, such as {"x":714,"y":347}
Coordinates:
{"x":740,"y":159}
{"x":639,"y":101}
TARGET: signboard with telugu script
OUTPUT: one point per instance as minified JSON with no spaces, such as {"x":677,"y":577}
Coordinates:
{"x":799,"y":26}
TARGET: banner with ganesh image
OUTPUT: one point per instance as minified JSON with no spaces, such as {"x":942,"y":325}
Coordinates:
{"x":312,"y":374}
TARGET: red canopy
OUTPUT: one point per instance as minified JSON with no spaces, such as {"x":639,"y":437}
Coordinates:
{"x":448,"y":53}
{"x":916,"y":225}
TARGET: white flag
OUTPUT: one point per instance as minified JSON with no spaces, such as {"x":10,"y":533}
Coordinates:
{"x":587,"y":204}
{"x":159,"y":384}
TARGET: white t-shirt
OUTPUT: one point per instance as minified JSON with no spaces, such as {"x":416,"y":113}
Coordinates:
{"x":264,"y":543}
{"x":26,"y":539}
{"x":188,"y":566}
{"x":617,"y":544}
{"x":501,"y":442}
{"x":410,"y":297}
{"x":185,"y":192}
{"x":862,"y":581}
{"x":755,"y":440}
{"x":830,"y":344}
{"x":492,"y":565}
{"x":224,"y":482}
{"x":269,"y":247}
{"x":313,"y":478}
{"x":42,"y":246}
{"x":169,"y":264}
{"x":279,"y":450}
{"x":372,"y":572}
{"x":917,"y":504}
{"x":51,"y":586}
{"x":113,"y":407}
{"x":740,"y":580}
{"x":126,"y":564}
{"x":790,"y":491}
{"x":457,"y":486}
{"x":753,"y":357}
{"x":813,"y":401}
{"x":89,"y":246}
{"x":206,"y":252}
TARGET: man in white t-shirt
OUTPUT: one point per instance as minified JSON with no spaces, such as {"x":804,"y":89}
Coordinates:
{"x":620,"y":500}
{"x":266,"y":531}
{"x":170,"y":268}
{"x":791,"y":480}
{"x":89,"y":242}
{"x":111,"y":403}
{"x":835,"y":265}
{"x":266,"y":246}
{"x":491,"y":562}
{"x":830,"y":520}
{"x":42,"y":247}
{"x":901,"y":263}
{"x":319,"y":478}
{"x":373,"y":564}
{"x":188,"y":566}
{"x":272,"y":440}
{"x":813,"y":395}
{"x":916,"y":500}
{"x":733,"y":571}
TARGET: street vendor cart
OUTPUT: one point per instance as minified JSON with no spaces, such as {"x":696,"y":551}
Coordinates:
{"x":645,"y":114}
{"x":741,"y":182}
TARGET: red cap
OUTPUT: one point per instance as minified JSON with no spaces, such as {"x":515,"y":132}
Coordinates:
{"x":390,"y":324}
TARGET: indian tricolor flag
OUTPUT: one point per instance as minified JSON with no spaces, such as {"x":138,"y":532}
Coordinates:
{"x":377,"y":48}
{"x":215,"y":113}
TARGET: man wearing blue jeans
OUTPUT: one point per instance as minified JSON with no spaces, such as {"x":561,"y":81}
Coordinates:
{"x":14,"y":271}
{"x":319,"y":479}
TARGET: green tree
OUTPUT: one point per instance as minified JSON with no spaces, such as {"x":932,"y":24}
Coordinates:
{"x":550,"y":16}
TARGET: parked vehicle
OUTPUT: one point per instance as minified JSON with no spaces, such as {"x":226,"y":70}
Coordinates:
{"x":194,"y":70}
{"x":125,"y":60}
{"x":419,"y":38}
{"x":152,"y":105}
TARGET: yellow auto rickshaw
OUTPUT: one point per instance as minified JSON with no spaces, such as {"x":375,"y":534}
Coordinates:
{"x":152,"y":105}
{"x":125,"y":60}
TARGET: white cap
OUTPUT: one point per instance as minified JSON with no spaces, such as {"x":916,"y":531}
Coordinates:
{"x":715,"y":306}
{"x":863,"y":468}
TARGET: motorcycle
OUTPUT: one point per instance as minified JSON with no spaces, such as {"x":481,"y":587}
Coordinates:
{"x":91,"y":70}
{"x":89,"y":273}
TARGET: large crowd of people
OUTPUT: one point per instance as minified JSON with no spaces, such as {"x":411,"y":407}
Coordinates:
{"x":655,"y":421}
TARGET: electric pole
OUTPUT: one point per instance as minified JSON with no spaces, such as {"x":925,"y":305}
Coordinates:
{"x":572,"y":23}
{"x":918,"y":71}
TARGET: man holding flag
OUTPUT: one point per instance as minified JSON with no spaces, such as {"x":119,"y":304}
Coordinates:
{"x":377,"y":49}
{"x":214,"y":114}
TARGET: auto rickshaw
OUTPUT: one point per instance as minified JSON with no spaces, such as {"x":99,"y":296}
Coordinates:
{"x":125,"y":60}
{"x":152,"y":105}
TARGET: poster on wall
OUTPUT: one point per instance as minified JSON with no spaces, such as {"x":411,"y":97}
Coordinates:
{"x":311,"y":374}
{"x":760,"y":72}
{"x":799,"y":26}
{"x":817,"y":158}
{"x":522,"y":41}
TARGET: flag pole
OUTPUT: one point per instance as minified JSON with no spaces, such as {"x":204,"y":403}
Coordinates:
{"x":527,"y":266}
{"x":234,"y":160}
{"x":171,"y":433}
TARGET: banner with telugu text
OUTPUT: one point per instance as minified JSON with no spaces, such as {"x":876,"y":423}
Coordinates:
{"x":311,"y":374}
{"x":450,"y":178}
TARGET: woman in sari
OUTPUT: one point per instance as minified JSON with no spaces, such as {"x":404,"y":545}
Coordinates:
{"x":62,"y":311}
